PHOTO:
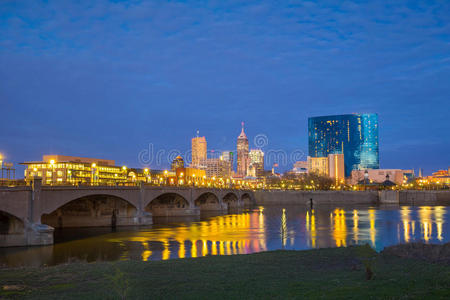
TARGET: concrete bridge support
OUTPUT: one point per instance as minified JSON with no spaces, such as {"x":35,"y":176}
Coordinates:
{"x":28,"y":215}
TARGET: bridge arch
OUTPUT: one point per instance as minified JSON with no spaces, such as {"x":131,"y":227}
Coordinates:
{"x":168,"y":204}
{"x":92,"y":210}
{"x":247,"y":199}
{"x":209,"y":201}
{"x":10,"y":224}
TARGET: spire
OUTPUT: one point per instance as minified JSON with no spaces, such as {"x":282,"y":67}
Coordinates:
{"x":242,"y":135}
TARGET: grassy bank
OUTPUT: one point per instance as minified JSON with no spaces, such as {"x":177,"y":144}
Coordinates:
{"x":331,"y":273}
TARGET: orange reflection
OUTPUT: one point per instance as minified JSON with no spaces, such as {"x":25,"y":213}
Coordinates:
{"x":425,"y":222}
{"x":439,"y":217}
{"x":405,"y":216}
{"x":373,"y":231}
{"x":355,"y":225}
{"x":146,"y":253}
{"x":339,"y":228}
{"x":166,"y":251}
{"x":283,"y":228}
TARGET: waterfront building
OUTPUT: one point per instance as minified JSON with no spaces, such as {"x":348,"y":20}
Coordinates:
{"x":190,"y":176}
{"x":256,"y":161}
{"x":300,"y":167}
{"x":354,"y":135}
{"x":440,"y":177}
{"x":242,"y":153}
{"x":318,"y":165}
{"x":178,"y":162}
{"x":61,"y":169}
{"x":398,"y":176}
{"x":199,"y":152}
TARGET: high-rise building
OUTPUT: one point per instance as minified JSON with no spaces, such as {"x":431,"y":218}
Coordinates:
{"x":217,"y":167}
{"x":336,"y":167}
{"x":198,"y":152}
{"x":228,"y":156}
{"x":256,"y":161}
{"x":354,"y":135}
{"x":242,"y":153}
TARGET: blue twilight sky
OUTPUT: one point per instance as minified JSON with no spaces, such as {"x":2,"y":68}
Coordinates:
{"x":109,"y":78}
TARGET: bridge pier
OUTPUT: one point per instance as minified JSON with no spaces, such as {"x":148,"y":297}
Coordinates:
{"x":29,"y":214}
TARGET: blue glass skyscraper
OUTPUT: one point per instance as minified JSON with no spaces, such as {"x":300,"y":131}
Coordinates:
{"x":354,"y":135}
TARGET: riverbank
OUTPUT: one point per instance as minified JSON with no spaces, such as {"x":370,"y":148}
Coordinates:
{"x":403,"y":197}
{"x":330,"y":273}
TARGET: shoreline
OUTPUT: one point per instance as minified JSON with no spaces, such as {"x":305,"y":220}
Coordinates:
{"x":327,"y":272}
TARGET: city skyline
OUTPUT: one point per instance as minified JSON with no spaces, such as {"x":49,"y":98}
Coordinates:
{"x":163,"y":75}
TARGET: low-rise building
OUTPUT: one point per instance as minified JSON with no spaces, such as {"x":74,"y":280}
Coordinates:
{"x":61,"y":169}
{"x":397,"y":176}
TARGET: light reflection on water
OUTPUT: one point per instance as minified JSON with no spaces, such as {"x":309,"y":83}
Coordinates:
{"x":249,"y":231}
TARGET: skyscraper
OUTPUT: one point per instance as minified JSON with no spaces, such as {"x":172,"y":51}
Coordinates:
{"x":242,"y":153}
{"x":256,"y":160}
{"x":198,"y":152}
{"x":354,"y":135}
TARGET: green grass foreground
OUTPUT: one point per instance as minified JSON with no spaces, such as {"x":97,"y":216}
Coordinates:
{"x":324,"y":273}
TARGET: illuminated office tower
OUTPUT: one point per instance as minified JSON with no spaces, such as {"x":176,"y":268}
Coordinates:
{"x":354,"y":135}
{"x":242,"y":153}
{"x":198,"y":152}
{"x":256,"y":160}
{"x":229,"y":157}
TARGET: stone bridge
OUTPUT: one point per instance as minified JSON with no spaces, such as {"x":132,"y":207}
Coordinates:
{"x":29,"y":214}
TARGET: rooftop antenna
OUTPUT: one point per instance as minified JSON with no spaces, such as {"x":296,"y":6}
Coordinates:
{"x":198,"y":132}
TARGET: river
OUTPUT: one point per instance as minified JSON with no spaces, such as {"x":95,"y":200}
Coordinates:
{"x":241,"y":232}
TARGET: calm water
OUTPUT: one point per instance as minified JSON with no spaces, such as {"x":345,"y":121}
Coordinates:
{"x":248,"y":231}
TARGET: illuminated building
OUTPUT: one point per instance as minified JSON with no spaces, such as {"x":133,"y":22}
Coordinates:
{"x":199,"y":151}
{"x":318,"y":165}
{"x":178,"y":162}
{"x":440,"y":177}
{"x":336,"y":167}
{"x":397,"y":176}
{"x":60,"y":169}
{"x":256,"y":161}
{"x":218,"y":167}
{"x":354,"y":135}
{"x":228,"y":156}
{"x":242,"y":153}
{"x":190,"y":176}
{"x":300,"y":167}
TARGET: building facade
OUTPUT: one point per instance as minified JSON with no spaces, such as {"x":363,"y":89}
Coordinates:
{"x":354,"y":135}
{"x":199,"y":152}
{"x":61,"y":169}
{"x":300,"y":167}
{"x":218,"y":167}
{"x":178,"y":162}
{"x":242,"y":154}
{"x":256,"y":161}
{"x":397,"y":176}
{"x":336,"y":167}
{"x":318,"y":165}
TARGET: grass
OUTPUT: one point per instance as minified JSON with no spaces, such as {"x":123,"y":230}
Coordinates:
{"x":325,"y":273}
